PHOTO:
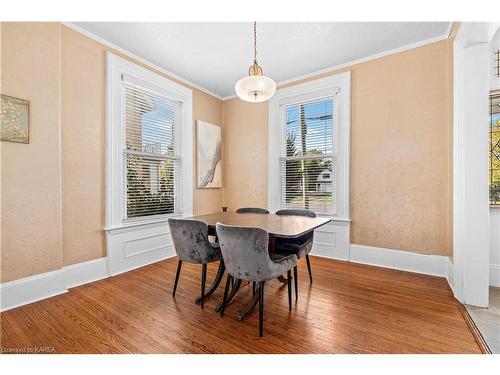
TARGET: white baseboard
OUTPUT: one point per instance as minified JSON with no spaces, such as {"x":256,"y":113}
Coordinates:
{"x":31,"y":289}
{"x":450,"y":277}
{"x":495,"y":275}
{"x":435,"y":265}
{"x":35,"y":288}
{"x":86,"y":272}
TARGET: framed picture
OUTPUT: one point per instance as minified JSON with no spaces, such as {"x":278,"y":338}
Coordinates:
{"x":14,"y":119}
{"x":208,"y":155}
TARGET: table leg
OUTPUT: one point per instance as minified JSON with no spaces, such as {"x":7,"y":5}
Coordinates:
{"x":231,"y":295}
{"x":215,"y":283}
{"x":248,"y":308}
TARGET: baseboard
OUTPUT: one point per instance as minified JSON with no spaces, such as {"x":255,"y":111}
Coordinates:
{"x":435,"y":265}
{"x":86,"y":272}
{"x":35,"y":288}
{"x":495,"y":275}
{"x":31,"y":289}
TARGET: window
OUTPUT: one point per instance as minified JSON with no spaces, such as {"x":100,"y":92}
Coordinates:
{"x":494,"y":167}
{"x":307,"y":158}
{"x":149,"y":146}
{"x":496,"y":64}
{"x":152,"y":159}
{"x":309,"y":139}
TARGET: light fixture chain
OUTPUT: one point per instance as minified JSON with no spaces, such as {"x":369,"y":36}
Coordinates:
{"x":255,"y":42}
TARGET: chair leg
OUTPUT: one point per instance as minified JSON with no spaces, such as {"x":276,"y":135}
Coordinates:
{"x":203,"y":281}
{"x":296,"y":281}
{"x":309,"y":268}
{"x":253,"y":288}
{"x":289,"y":282}
{"x":177,"y":274}
{"x":224,"y":299}
{"x":261,"y":308}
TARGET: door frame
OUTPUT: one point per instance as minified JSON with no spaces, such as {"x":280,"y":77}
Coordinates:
{"x":471,"y":79}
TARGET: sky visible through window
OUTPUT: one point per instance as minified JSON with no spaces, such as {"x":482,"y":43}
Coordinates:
{"x":157,"y":127}
{"x":319,"y":131}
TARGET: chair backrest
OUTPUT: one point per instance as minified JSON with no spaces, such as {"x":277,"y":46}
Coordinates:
{"x":296,"y":212}
{"x":252,"y":210}
{"x":190,"y":239}
{"x":245,"y":252}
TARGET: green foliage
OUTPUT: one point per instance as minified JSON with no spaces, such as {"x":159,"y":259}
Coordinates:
{"x":141,"y":201}
{"x":301,"y":175}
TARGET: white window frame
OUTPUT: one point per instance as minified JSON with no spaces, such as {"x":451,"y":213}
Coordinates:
{"x":119,"y":69}
{"x":339,"y":87}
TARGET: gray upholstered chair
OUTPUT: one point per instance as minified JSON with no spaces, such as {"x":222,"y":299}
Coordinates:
{"x":190,"y":238}
{"x":252,"y":210}
{"x":246,"y":256}
{"x":300,"y":246}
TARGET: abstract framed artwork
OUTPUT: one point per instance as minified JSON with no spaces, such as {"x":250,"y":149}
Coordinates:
{"x":208,"y":155}
{"x":14,"y":119}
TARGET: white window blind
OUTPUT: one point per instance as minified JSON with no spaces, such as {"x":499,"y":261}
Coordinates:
{"x":307,"y":162}
{"x":151,"y":153}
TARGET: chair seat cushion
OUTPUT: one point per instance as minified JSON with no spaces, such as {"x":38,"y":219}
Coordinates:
{"x":294,"y":246}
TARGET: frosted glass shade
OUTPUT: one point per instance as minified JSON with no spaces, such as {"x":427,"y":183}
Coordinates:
{"x":255,"y":89}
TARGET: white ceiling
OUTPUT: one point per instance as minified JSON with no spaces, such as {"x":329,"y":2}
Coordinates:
{"x":215,"y":55}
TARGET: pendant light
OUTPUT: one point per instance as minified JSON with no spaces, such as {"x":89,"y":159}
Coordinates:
{"x":256,"y":87}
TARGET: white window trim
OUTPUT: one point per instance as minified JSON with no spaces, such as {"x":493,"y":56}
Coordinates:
{"x":116,"y":68}
{"x":339,"y":86}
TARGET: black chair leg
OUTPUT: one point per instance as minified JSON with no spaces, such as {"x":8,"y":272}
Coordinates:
{"x":224,"y":299}
{"x":203,"y":282}
{"x":253,"y":288}
{"x":309,"y":268}
{"x":289,"y":282}
{"x":296,"y":281}
{"x":261,"y":308}
{"x":177,"y":274}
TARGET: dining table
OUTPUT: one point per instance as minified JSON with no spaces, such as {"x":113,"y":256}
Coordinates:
{"x":283,"y":226}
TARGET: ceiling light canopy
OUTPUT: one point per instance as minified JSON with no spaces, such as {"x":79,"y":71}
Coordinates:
{"x":255,"y":88}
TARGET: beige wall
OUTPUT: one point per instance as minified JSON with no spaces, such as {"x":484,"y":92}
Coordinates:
{"x":209,"y":109}
{"x":84,"y":63}
{"x":83,"y":80}
{"x":31,"y":173}
{"x":245,"y":150}
{"x":63,"y":73}
{"x":400,"y":151}
{"x":53,"y":206}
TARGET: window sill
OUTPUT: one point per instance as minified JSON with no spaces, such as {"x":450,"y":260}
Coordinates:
{"x":335,"y":219}
{"x":138,"y":224}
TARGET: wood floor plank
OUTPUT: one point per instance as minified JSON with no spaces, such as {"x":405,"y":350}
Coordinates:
{"x":349,"y":308}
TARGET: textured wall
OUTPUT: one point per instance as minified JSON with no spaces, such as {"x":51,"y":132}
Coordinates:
{"x":63,"y":73}
{"x":31,"y":173}
{"x":401,"y":148}
{"x":209,"y":109}
{"x":83,"y":102}
{"x":245,"y":154}
{"x":400,"y":151}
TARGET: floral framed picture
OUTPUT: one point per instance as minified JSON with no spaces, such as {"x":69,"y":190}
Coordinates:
{"x":14,"y":119}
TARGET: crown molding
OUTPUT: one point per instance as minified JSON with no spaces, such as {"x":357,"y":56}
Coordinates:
{"x":138,"y":58}
{"x":281,"y":83}
{"x":360,"y":60}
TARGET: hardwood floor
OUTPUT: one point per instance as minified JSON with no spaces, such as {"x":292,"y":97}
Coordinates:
{"x":350,"y":308}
